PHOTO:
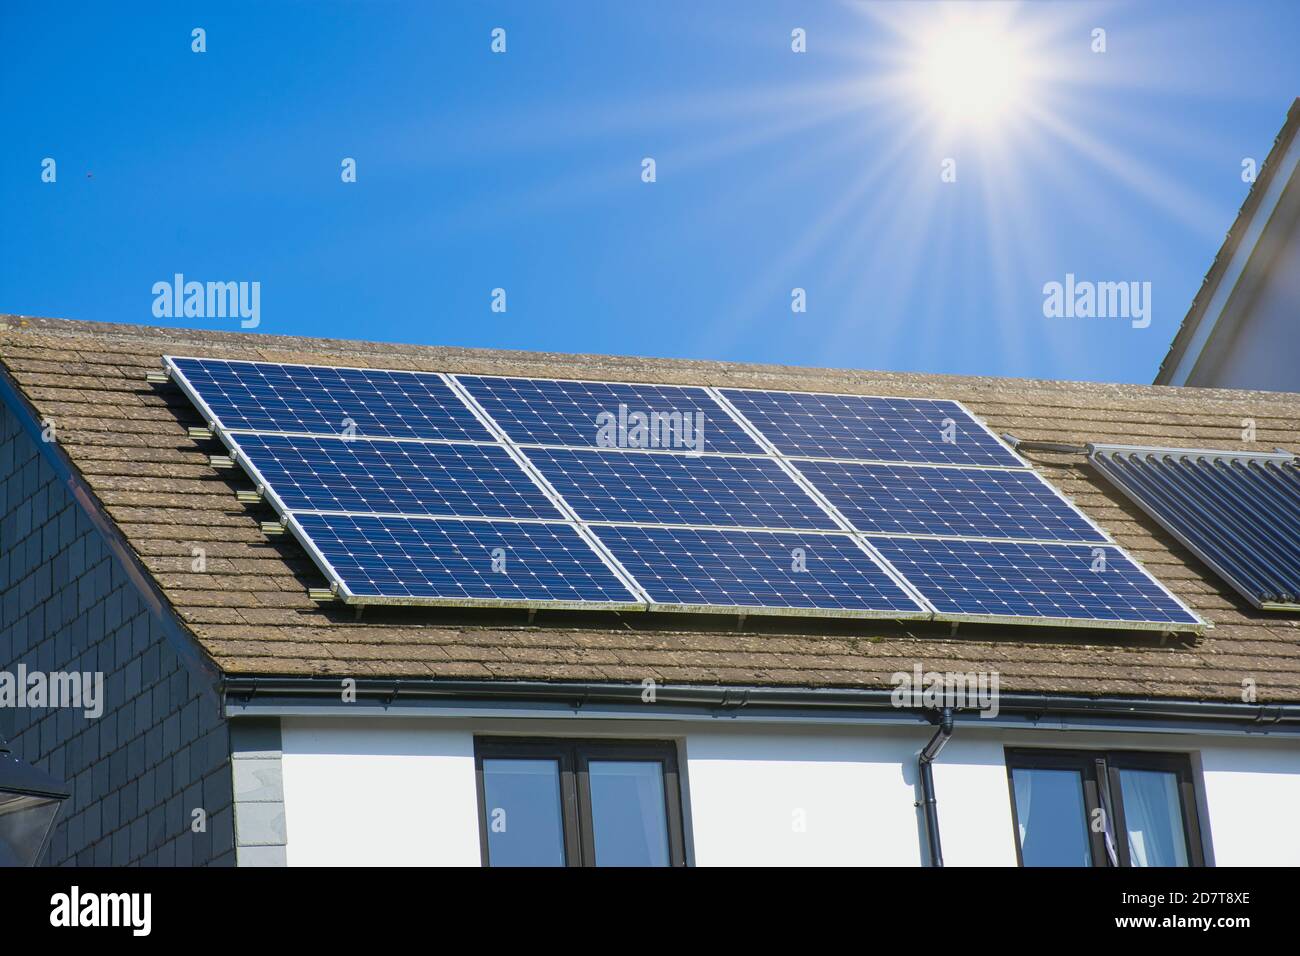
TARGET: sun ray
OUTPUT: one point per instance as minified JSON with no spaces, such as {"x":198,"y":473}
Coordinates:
{"x":769,"y":293}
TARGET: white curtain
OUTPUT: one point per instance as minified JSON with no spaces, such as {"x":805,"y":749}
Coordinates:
{"x":627,"y":798}
{"x":1024,"y":795}
{"x":1153,"y":817}
{"x":1051,"y":817}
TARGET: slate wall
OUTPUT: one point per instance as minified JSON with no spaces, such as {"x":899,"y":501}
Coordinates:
{"x":161,"y":749}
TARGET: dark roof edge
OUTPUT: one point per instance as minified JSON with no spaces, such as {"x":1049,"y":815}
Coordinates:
{"x":1200,"y":302}
{"x":176,"y":633}
{"x":269,"y":695}
{"x":18,"y":775}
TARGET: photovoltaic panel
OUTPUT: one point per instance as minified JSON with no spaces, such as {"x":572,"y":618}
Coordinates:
{"x":755,"y":569}
{"x":654,"y":488}
{"x":962,"y":502}
{"x":410,"y":478}
{"x":570,"y":413}
{"x":814,"y":425}
{"x":1032,"y":581}
{"x":370,"y":403}
{"x":463,"y":561}
{"x":405,"y":486}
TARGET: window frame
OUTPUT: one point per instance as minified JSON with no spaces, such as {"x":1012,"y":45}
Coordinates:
{"x":574,"y":756}
{"x":1100,"y":772}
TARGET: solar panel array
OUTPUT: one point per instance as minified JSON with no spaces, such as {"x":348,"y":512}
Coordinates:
{"x":417,"y":487}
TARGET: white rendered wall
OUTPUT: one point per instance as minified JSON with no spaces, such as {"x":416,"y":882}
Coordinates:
{"x":1253,"y":794}
{"x":390,"y":791}
{"x":379,"y":792}
{"x":821,"y":798}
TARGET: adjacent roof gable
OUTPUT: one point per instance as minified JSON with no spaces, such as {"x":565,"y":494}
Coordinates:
{"x":1259,"y":251}
{"x":249,"y":611}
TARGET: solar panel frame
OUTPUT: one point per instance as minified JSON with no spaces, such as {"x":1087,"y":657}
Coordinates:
{"x":824,"y":474}
{"x":870,"y":540}
{"x":590,"y":480}
{"x":617,"y":539}
{"x":349,"y":595}
{"x":245,"y":448}
{"x":230,"y":438}
{"x":468,"y":428}
{"x":1192,"y":623}
{"x":738,"y":442}
{"x":1010,"y":458}
{"x":588,"y":529}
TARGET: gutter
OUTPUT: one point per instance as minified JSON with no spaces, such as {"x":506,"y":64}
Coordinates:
{"x":923,"y":764}
{"x":271,"y":695}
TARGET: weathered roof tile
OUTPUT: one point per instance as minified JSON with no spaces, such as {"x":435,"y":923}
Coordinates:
{"x":249,"y":609}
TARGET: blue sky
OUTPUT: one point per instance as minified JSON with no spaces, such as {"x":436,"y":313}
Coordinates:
{"x":523,"y":171}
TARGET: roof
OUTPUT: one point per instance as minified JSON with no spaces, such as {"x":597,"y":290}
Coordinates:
{"x":1209,"y":316}
{"x":251,"y":615}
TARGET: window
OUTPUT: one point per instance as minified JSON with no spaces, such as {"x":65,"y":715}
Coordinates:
{"x":557,"y":802}
{"x":1075,"y":808}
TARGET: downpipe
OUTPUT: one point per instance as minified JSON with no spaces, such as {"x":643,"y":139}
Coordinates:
{"x":928,"y":754}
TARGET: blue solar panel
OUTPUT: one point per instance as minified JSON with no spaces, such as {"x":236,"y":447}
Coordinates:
{"x":1038,"y":581}
{"x":755,"y":569}
{"x":806,"y":424}
{"x":452,"y":560}
{"x":653,"y":488}
{"x":411,"y":478}
{"x":368,"y":403}
{"x":552,"y":412}
{"x":962,"y":502}
{"x":400,"y":462}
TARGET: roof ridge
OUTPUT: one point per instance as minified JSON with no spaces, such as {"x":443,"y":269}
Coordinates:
{"x":271,"y":347}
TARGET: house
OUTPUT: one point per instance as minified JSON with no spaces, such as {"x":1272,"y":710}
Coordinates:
{"x":1243,"y":328}
{"x":249,"y":716}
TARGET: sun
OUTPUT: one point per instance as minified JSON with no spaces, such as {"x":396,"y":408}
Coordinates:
{"x":971,"y":72}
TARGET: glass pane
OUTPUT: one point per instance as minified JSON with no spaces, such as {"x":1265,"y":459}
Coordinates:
{"x":24,"y":823}
{"x":1153,"y":816}
{"x":525,"y":823}
{"x":1051,"y":817}
{"x":629,"y":819}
